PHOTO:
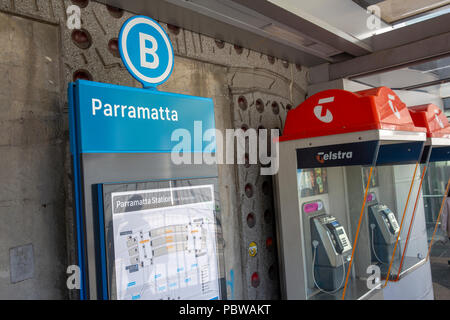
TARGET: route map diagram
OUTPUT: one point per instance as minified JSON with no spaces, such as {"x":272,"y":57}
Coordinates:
{"x":165,"y":244}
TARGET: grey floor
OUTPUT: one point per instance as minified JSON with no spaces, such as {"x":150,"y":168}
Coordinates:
{"x":440,"y":270}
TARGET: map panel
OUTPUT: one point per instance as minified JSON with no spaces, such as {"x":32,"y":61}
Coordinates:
{"x":165,"y":243}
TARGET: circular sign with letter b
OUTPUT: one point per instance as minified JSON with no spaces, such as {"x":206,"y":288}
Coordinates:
{"x":146,"y":51}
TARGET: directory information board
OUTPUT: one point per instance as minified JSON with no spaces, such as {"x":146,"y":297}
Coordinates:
{"x":165,"y":243}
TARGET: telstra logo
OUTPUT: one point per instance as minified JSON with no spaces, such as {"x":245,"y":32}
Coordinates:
{"x":340,"y":155}
{"x":321,"y":112}
{"x":319,"y":157}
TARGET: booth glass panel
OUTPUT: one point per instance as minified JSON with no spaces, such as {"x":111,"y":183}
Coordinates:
{"x":378,"y":250}
{"x":389,"y":234}
{"x":435,"y":192}
{"x":424,"y":223}
{"x":326,"y":204}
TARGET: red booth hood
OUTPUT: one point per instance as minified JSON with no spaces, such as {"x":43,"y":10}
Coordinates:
{"x":334,"y":112}
{"x":434,"y":120}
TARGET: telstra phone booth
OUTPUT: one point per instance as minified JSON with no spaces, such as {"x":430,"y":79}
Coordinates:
{"x":147,"y":227}
{"x":436,"y":178}
{"x":348,"y":164}
{"x":421,"y":217}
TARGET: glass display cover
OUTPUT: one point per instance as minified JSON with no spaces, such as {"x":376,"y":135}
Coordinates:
{"x":161,"y":240}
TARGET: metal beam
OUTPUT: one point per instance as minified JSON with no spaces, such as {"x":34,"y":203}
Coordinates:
{"x":424,"y":85}
{"x":222,"y":26}
{"x":411,"y":33}
{"x":393,"y":58}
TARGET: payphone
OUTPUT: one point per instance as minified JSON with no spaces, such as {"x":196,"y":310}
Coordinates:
{"x":384,"y":230}
{"x":331,"y":251}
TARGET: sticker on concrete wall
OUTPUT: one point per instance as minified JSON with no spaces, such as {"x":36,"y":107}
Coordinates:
{"x":21,"y":263}
{"x":165,"y":244}
{"x":252,"y":249}
{"x":146,"y":51}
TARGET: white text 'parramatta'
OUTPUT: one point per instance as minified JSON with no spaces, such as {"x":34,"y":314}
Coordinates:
{"x":132,"y":112}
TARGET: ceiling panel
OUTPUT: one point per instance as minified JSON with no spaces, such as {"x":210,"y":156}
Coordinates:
{"x":432,"y":77}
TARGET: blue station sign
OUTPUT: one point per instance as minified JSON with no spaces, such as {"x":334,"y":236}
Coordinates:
{"x":110,"y":118}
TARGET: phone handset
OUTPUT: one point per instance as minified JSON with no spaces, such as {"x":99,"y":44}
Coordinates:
{"x":391,"y":222}
{"x":337,"y":242}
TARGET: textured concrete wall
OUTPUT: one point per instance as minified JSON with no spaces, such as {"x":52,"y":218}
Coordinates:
{"x":32,"y":223}
{"x":208,"y":67}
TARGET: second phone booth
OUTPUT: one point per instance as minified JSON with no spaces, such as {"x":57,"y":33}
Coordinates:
{"x":427,"y":195}
{"x":348,"y":165}
{"x":417,"y":243}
